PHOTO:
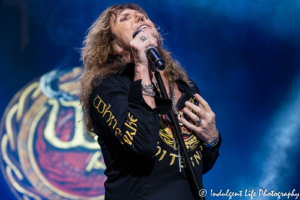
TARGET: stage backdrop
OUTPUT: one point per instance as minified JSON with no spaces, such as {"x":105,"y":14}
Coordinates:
{"x":243,"y":55}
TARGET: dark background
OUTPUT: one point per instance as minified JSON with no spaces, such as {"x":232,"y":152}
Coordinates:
{"x":244,"y":56}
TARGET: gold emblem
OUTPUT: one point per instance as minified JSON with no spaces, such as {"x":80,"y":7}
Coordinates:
{"x":190,"y":139}
{"x":44,"y":151}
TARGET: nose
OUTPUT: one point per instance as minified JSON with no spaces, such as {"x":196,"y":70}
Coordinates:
{"x":139,"y":17}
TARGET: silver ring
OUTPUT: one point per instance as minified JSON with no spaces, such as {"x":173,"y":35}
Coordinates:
{"x":199,"y":121}
{"x":143,"y":38}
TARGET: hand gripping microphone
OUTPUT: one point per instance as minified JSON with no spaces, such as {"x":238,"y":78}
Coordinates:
{"x":152,"y":54}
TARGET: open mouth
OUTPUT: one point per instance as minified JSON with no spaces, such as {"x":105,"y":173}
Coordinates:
{"x":143,"y":26}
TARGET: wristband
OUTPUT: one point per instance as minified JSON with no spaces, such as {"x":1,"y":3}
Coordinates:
{"x":151,"y":94}
{"x":213,"y":143}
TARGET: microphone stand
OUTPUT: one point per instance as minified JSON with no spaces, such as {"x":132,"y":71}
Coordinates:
{"x":190,"y":170}
{"x":158,"y":63}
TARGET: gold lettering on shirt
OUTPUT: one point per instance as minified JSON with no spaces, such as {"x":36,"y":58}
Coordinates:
{"x":163,"y":155}
{"x":192,"y":161}
{"x":197,"y":156}
{"x":130,"y":123}
{"x":183,"y":164}
{"x":158,"y":152}
{"x":173,"y":158}
{"x":200,"y":154}
{"x":115,"y":123}
{"x":117,"y":132}
{"x":99,"y":103}
{"x":110,"y":119}
{"x":127,"y":140}
{"x":130,"y":134}
{"x":103,"y":109}
{"x":107,"y":111}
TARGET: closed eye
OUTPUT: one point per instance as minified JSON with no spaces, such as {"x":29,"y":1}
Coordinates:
{"x":123,"y":19}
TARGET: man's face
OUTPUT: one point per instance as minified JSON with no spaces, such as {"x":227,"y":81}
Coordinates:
{"x":129,"y":21}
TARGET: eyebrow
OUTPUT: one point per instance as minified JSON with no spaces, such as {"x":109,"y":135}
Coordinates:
{"x":126,"y":14}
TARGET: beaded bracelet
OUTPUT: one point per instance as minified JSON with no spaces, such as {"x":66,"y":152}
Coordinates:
{"x":152,"y":94}
{"x":148,"y":92}
{"x":147,"y":86}
{"x":213,"y":143}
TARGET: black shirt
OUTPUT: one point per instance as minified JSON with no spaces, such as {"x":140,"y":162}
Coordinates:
{"x":137,"y":142}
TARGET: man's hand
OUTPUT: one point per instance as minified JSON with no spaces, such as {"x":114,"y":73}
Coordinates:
{"x":206,"y":130}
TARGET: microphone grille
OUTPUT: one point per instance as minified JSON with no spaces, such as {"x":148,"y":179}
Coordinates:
{"x":135,"y":33}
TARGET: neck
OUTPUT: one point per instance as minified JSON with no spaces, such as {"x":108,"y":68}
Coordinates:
{"x":127,"y":58}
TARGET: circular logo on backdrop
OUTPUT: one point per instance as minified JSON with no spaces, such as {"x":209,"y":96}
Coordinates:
{"x":44,"y":152}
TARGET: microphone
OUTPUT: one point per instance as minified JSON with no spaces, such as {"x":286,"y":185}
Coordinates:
{"x":152,"y":54}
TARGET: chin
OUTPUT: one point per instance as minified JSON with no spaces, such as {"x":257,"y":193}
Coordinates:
{"x":151,"y":32}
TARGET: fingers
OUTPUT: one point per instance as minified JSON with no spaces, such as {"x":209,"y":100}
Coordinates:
{"x":190,"y":125}
{"x":138,"y":47}
{"x":191,"y":115}
{"x":197,"y":110}
{"x":207,"y":130}
{"x":143,"y":40}
{"x":197,"y":129}
{"x":201,"y":101}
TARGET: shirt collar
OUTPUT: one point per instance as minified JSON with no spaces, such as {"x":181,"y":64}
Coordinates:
{"x":125,"y":69}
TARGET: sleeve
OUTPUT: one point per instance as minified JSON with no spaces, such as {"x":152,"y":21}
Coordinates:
{"x":122,"y":113}
{"x":210,"y":156}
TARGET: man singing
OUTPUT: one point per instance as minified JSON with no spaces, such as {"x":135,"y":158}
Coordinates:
{"x":123,"y":106}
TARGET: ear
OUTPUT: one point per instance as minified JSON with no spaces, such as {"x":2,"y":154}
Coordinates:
{"x":116,"y":48}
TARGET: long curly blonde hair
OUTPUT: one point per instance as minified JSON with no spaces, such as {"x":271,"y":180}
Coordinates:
{"x":99,"y":61}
